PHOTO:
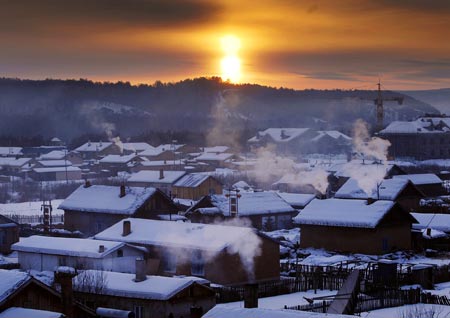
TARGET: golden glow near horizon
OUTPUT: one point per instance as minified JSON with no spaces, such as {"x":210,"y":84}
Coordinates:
{"x":230,"y":64}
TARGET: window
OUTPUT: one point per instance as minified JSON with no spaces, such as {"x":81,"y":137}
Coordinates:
{"x":119,"y":253}
{"x":169,"y":261}
{"x":98,"y":227}
{"x":138,"y":311}
{"x":197,"y":263}
{"x":268,"y":223}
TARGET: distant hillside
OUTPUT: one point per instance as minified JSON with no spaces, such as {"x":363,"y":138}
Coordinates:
{"x":439,"y":98}
{"x":71,"y":108}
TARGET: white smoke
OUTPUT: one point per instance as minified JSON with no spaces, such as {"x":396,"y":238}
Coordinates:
{"x":272,"y":167}
{"x":368,"y":176}
{"x":118,"y":143}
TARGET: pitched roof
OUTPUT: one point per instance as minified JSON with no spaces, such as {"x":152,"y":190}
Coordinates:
{"x":10,"y":151}
{"x":152,"y":176}
{"x":420,"y":125}
{"x":211,"y":156}
{"x":13,"y":162}
{"x":55,"y":163}
{"x":66,"y":246}
{"x":93,"y":146}
{"x":123,"y":285}
{"x":178,"y":234}
{"x":436,"y":221}
{"x":118,"y":158}
{"x":297,"y":199}
{"x":105,"y":199}
{"x":57,"y":169}
{"x":216,"y":149}
{"x":344,"y":213}
{"x":11,"y":281}
{"x":136,"y":146}
{"x":250,"y":203}
{"x":53,"y":155}
{"x":421,"y":179}
{"x":191,"y":180}
{"x":333,"y":134}
{"x":280,"y":134}
{"x":389,"y":189}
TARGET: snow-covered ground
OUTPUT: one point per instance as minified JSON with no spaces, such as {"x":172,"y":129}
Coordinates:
{"x":28,"y":208}
{"x":278,"y":302}
{"x":410,"y":311}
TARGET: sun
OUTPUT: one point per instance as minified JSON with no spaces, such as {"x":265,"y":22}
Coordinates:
{"x":230,"y":64}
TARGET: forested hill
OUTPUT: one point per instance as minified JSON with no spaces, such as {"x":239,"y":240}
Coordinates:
{"x":71,"y":108}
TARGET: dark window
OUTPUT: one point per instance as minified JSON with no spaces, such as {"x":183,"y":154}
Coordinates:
{"x":119,"y":253}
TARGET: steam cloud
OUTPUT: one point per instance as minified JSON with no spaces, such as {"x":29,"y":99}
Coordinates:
{"x":368,"y":176}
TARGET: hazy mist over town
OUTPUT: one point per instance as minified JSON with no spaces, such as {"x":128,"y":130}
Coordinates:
{"x":224,"y":159}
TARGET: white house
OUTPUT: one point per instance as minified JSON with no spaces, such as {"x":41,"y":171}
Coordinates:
{"x":44,"y":253}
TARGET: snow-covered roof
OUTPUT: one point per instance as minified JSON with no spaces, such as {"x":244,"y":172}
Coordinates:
{"x":10,"y":282}
{"x":93,"y":146}
{"x":420,"y":125}
{"x":123,"y":285}
{"x":421,"y":179}
{"x":191,"y":180}
{"x":19,"y":312}
{"x":435,"y":221}
{"x":171,"y":147}
{"x":177,"y":234}
{"x":152,"y":152}
{"x":333,"y":134}
{"x":10,"y":151}
{"x":54,"y":163}
{"x":76,"y":247}
{"x":136,"y":146}
{"x":216,"y":149}
{"x":57,"y":169}
{"x":153,"y":176}
{"x":13,"y":162}
{"x":253,"y":203}
{"x":105,"y":199}
{"x":366,"y":168}
{"x":155,"y":163}
{"x":297,"y":199}
{"x":344,"y":213}
{"x":280,"y":134}
{"x":118,"y":158}
{"x":210,"y":156}
{"x":53,"y":155}
{"x":388,"y":189}
{"x":227,"y":312}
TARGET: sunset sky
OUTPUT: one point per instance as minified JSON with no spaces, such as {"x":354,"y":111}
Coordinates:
{"x":297,"y":44}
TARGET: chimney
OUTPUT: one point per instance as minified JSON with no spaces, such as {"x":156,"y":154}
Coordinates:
{"x":122,"y":191}
{"x":126,"y":228}
{"x":251,"y":295}
{"x":140,"y":270}
{"x":101,"y":249}
{"x":161,"y":174}
{"x":63,"y":277}
{"x":87,"y":183}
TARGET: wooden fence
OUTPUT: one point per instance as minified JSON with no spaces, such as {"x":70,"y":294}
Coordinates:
{"x":34,"y":219}
{"x":225,"y":294}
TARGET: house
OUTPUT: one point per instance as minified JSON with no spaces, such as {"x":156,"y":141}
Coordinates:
{"x":217,"y":160}
{"x":20,"y":289}
{"x":160,"y":153}
{"x":429,"y":183}
{"x":421,"y":139}
{"x":218,"y":253}
{"x":91,"y":209}
{"x":135,"y":147}
{"x":157,"y":165}
{"x":116,"y":163}
{"x":52,"y":163}
{"x":9,"y":234}
{"x":162,"y":179}
{"x":399,"y":190}
{"x":56,"y":173}
{"x":146,"y":296}
{"x":72,"y":157}
{"x":14,"y":166}
{"x":297,"y":200}
{"x":286,"y":140}
{"x":194,"y":186}
{"x":45,"y":253}
{"x":98,"y":150}
{"x":433,"y":229}
{"x":333,"y":224}
{"x":328,"y":142}
{"x":11,"y":152}
{"x":263,"y":210}
{"x":216,"y":149}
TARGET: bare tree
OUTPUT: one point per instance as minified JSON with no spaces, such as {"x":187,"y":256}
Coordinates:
{"x":422,"y":311}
